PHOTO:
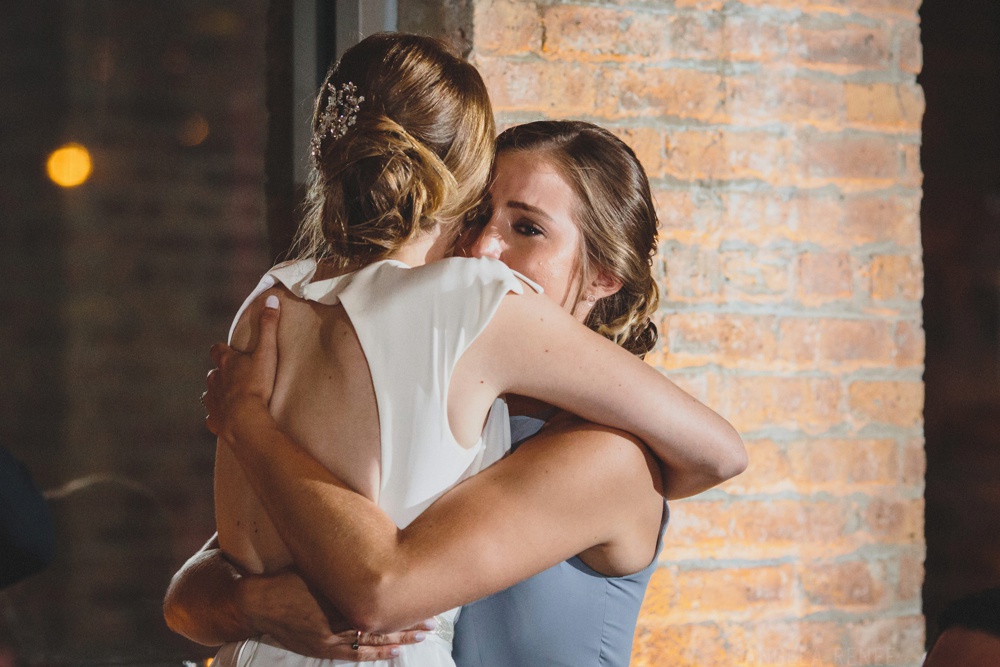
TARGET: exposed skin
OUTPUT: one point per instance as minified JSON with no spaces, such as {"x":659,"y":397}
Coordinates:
{"x":965,"y":647}
{"x":532,"y":230}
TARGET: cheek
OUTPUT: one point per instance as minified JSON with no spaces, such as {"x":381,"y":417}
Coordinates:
{"x":556,"y":272}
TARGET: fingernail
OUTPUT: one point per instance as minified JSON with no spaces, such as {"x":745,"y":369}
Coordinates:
{"x":420,"y":636}
{"x":271,"y":301}
{"x":430,"y":624}
{"x":394,"y":652}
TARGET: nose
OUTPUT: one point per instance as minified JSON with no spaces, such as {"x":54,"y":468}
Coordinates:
{"x":489,"y":242}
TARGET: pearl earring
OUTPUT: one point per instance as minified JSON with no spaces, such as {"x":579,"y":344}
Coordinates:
{"x":591,"y":299}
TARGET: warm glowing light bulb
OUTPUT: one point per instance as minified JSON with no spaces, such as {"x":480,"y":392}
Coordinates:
{"x":195,"y":130}
{"x":208,"y":662}
{"x":69,"y":165}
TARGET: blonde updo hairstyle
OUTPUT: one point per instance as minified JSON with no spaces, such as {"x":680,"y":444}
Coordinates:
{"x":417,"y":155}
{"x":616,"y":216}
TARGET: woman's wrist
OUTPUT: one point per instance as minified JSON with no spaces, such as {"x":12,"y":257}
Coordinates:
{"x":245,"y":417}
{"x":248,"y":603}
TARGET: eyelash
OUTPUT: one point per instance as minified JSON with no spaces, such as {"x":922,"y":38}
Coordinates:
{"x":528,"y":228}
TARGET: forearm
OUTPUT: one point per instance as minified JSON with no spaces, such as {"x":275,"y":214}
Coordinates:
{"x":704,"y":451}
{"x":541,"y":356}
{"x":202,"y":601}
{"x":458,"y":550}
{"x":340,"y":541}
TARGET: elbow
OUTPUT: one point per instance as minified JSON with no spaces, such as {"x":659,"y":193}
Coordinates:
{"x":370,"y":605}
{"x":733,"y":459}
{"x":180,"y":622}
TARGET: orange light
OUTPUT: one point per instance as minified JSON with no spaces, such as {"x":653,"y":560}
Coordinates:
{"x":195,"y":130}
{"x":208,"y":662}
{"x":69,"y":165}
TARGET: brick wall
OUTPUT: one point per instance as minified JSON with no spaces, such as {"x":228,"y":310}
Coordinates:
{"x":782,"y":140}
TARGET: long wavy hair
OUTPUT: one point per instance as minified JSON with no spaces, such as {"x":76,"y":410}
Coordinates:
{"x":617,"y":220}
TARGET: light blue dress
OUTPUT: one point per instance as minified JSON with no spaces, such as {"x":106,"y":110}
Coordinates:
{"x":568,"y":615}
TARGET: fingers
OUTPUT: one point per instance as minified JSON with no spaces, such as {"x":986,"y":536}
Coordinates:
{"x":393,"y":639}
{"x":269,"y":315}
{"x":365,"y":653}
{"x":217,"y":351}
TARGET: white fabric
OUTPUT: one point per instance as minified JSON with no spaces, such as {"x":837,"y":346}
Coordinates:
{"x":413,"y":325}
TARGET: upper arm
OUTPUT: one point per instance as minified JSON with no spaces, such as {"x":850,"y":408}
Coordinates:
{"x":539,"y":350}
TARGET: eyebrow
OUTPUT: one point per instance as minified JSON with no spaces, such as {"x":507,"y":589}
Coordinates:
{"x":528,"y":207}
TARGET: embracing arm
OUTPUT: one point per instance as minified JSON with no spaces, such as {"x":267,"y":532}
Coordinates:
{"x":210,"y":601}
{"x":562,"y":493}
{"x":536,"y":349}
{"x":202,"y":600}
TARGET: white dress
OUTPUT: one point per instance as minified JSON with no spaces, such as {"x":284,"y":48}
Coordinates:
{"x":413,"y":325}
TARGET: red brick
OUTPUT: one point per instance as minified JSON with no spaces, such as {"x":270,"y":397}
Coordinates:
{"x":868,"y":341}
{"x":909,"y":336}
{"x":755,"y":273}
{"x":810,"y":404}
{"x":845,"y":584}
{"x":757,"y":37}
{"x":778,"y":94}
{"x":888,"y":402}
{"x":648,"y":144}
{"x":825,"y":276}
{"x":848,"y":45}
{"x":851,"y":157}
{"x":537,"y":85}
{"x":896,"y":520}
{"x":881,"y":218}
{"x":843,"y":463}
{"x":911,"y":174}
{"x":612,"y":33}
{"x":692,"y":644}
{"x":914,"y":463}
{"x":769,"y":469}
{"x":911,"y":576}
{"x":896,"y":277}
{"x":790,"y":521}
{"x":897,"y":107}
{"x":507,"y":27}
{"x":718,"y":154}
{"x":885,"y":641}
{"x":690,"y":216}
{"x":726,"y":339}
{"x":658,"y":92}
{"x":691,"y":272}
{"x":766,"y":217}
{"x":715,"y":591}
{"x":911,"y":54}
{"x":792,"y":643}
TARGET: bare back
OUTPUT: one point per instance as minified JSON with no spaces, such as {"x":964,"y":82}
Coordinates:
{"x":402,"y":439}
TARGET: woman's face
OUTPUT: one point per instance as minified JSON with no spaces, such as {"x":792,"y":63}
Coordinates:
{"x":532,"y":228}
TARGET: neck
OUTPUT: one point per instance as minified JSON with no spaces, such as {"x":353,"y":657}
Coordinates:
{"x":425,"y":248}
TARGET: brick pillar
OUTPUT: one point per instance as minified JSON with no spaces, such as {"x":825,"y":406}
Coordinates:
{"x":782,"y":140}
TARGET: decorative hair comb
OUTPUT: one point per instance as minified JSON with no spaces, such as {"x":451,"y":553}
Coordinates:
{"x":340,"y":112}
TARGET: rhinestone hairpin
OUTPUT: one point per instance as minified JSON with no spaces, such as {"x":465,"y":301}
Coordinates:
{"x":340,"y":112}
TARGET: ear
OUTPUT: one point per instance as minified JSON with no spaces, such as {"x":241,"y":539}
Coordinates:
{"x":604,"y":284}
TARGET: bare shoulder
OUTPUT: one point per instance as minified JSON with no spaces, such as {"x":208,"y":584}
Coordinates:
{"x":614,"y":474}
{"x":599,"y":455}
{"x":247,"y":328}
